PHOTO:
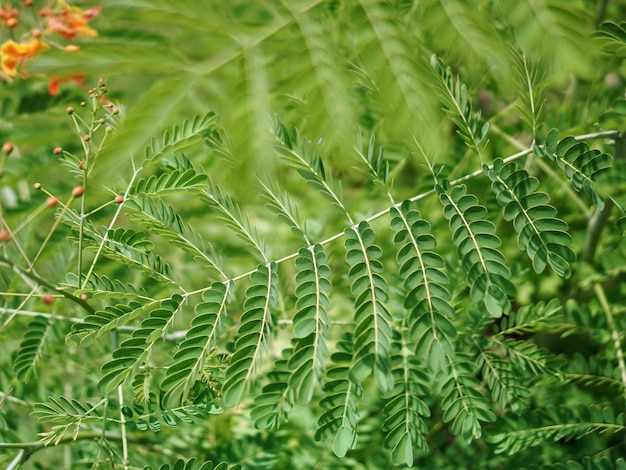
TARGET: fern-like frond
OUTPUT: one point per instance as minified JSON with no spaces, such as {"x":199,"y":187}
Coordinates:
{"x":458,"y":105}
{"x":299,"y":152}
{"x":542,"y":316}
{"x":103,"y":286}
{"x":340,"y":420}
{"x":272,"y":405}
{"x":377,"y":165}
{"x":530,"y":89}
{"x":405,"y":410}
{"x":161,"y":219}
{"x":504,"y":381}
{"x":253,"y":334}
{"x":294,"y":377}
{"x":311,"y":322}
{"x":528,"y":357}
{"x":126,"y":246}
{"x":462,"y":401}
{"x":580,"y":164}
{"x":231,"y":214}
{"x":428,"y":298}
{"x":136,"y":350}
{"x":180,"y":137}
{"x":372,"y":335}
{"x":477,"y":247}
{"x":31,"y":349}
{"x":541,"y":233}
{"x":65,"y":415}
{"x":103,"y":321}
{"x":174,"y":182}
{"x":279,"y":202}
{"x":612,"y":38}
{"x":188,"y":362}
{"x":147,"y":414}
{"x":533,"y":428}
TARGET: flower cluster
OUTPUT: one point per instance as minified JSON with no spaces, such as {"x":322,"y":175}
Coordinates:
{"x":40,"y":28}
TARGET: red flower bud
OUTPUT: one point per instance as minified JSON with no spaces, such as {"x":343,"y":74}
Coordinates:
{"x":47,"y":299}
{"x":4,"y":236}
{"x":52,"y":201}
{"x":7,"y":147}
{"x":78,"y":191}
{"x":57,"y":150}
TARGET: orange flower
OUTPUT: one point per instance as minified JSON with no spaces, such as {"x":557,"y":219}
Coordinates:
{"x":54,"y":84}
{"x":14,"y":53}
{"x":70,"y":22}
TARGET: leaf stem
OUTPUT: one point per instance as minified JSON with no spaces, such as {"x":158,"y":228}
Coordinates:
{"x":614,"y":333}
{"x":49,"y":285}
{"x":106,"y":233}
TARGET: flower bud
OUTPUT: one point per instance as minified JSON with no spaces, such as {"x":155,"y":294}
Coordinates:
{"x":7,"y":147}
{"x":57,"y":150}
{"x":78,"y":191}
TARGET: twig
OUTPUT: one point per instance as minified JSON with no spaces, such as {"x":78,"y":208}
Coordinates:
{"x":41,"y":281}
{"x":614,"y":334}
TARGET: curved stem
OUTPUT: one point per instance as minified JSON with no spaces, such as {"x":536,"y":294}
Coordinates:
{"x":41,"y":281}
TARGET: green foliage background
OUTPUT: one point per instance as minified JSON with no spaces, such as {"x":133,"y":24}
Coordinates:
{"x":478,"y":325}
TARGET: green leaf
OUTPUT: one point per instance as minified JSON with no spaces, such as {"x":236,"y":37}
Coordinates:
{"x":372,"y":319}
{"x":487,"y":273}
{"x":31,"y":348}
{"x":311,"y":322}
{"x":253,"y":335}
{"x":515,"y":434}
{"x":541,"y":234}
{"x":180,"y":137}
{"x":134,"y":351}
{"x":428,"y":297}
{"x":462,"y":402}
{"x":580,"y":164}
{"x":340,"y":418}
{"x":189,"y":362}
{"x":404,"y":410}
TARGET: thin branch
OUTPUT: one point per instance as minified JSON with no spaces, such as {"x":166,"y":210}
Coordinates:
{"x":106,"y":234}
{"x":41,"y":281}
{"x":614,"y":333}
{"x":462,"y":179}
{"x":27,"y":449}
